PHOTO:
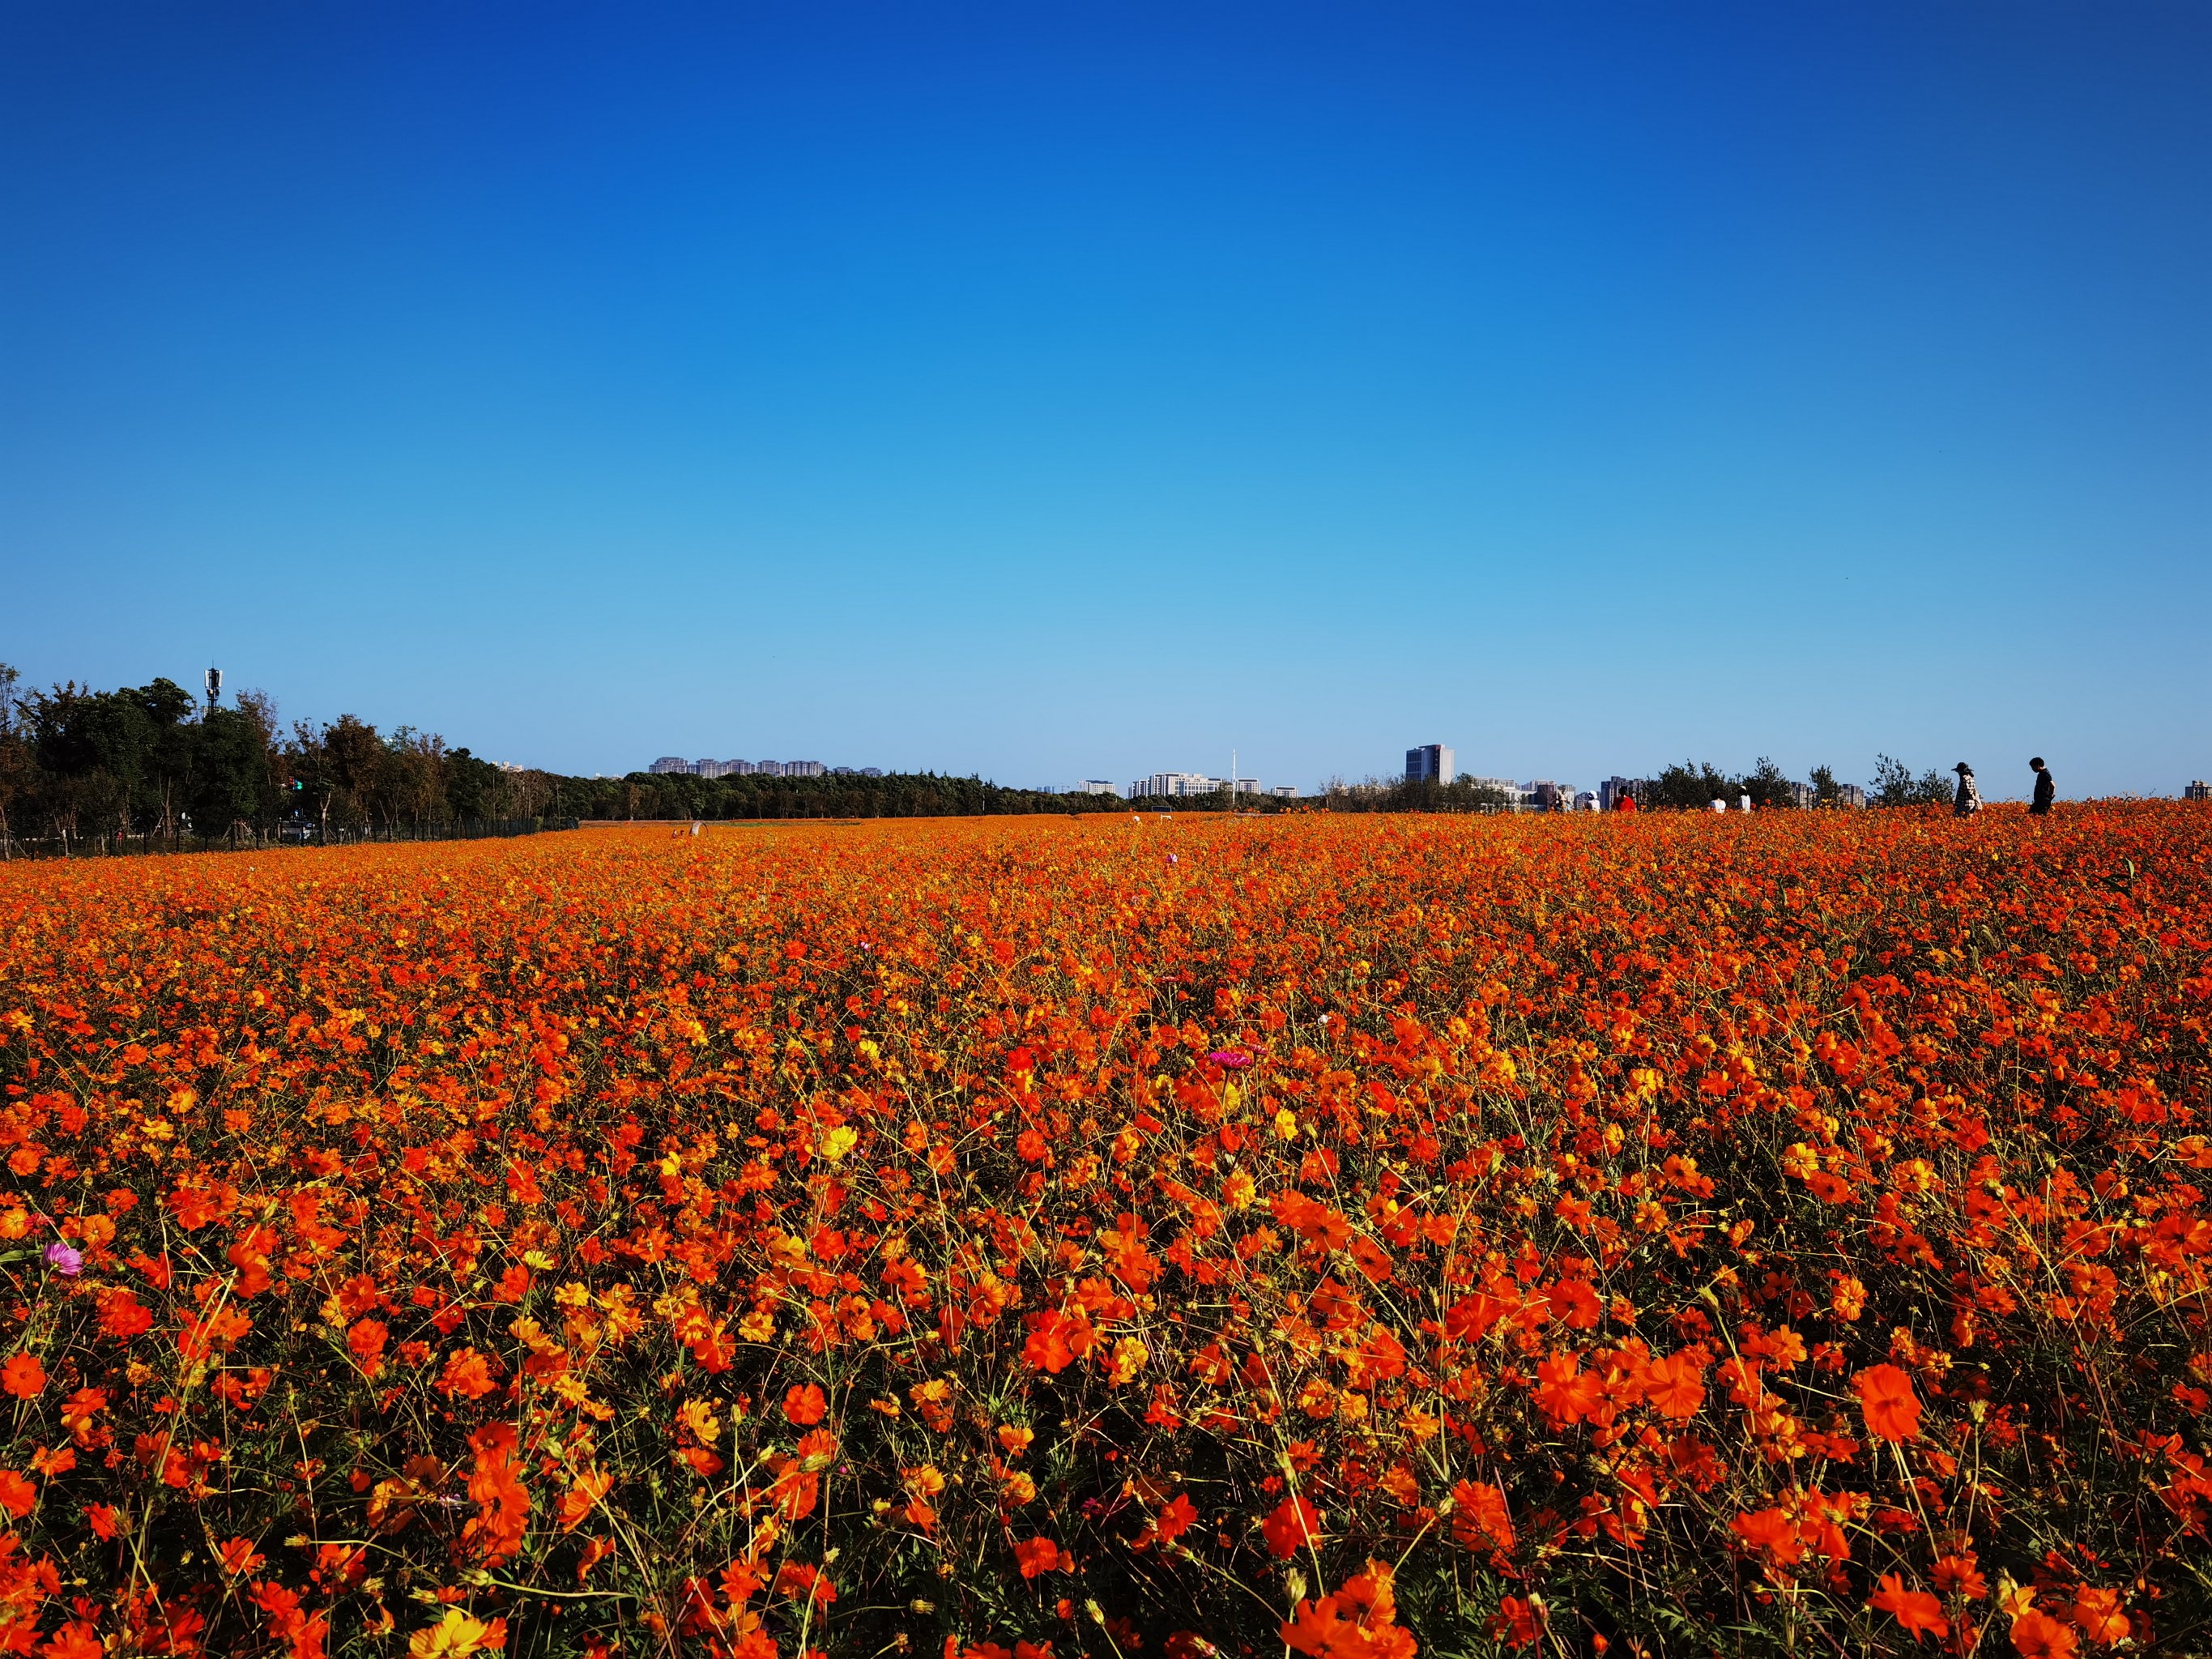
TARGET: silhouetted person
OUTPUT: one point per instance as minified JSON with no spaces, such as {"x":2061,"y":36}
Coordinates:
{"x":1968,"y":800}
{"x":2046,"y":790}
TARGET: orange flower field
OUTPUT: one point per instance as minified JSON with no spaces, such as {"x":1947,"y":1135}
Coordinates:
{"x":1345,"y":1237}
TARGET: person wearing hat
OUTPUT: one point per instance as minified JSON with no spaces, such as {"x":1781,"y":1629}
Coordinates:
{"x":2046,"y":790}
{"x":1968,"y":800}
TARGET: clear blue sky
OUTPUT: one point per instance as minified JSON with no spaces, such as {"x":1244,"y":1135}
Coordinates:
{"x":1064,"y":390}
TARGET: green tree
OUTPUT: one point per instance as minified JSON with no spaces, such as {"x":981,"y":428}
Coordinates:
{"x":1692,"y":786}
{"x":474,"y":788}
{"x":414,"y":777}
{"x":1769,"y":789}
{"x":230,"y":775}
{"x":169,"y":708}
{"x":353,"y":756}
{"x":1895,"y":786}
{"x":18,"y":768}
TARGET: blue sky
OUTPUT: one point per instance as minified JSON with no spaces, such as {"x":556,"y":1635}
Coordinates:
{"x":1054,"y":391}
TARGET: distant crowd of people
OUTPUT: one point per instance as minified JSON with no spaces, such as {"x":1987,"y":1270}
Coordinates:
{"x":1965,"y":804}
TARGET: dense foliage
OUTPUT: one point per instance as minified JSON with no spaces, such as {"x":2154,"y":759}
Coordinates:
{"x":148,"y":766}
{"x":1629,"y":1234}
{"x":895,"y":795}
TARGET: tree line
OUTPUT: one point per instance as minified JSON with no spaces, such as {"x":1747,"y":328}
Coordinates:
{"x":1687,"y":786}
{"x":894,"y":795}
{"x":151,"y":766}
{"x":1692,"y":786}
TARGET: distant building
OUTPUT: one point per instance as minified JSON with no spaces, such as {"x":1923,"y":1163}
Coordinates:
{"x":1174,"y":785}
{"x":1284,"y":791}
{"x":1803,"y":794}
{"x":1095,"y":787}
{"x":1546,"y":796}
{"x":1507,"y":791}
{"x":1431,"y":763}
{"x":2197,"y":790}
{"x":1247,"y":786}
{"x":842,"y":772}
{"x":703,"y":768}
{"x":1849,"y":794}
{"x":803,"y":768}
{"x":871,"y":771}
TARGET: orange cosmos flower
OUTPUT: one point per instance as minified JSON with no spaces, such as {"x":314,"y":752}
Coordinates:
{"x":1886,"y":1399}
{"x":1920,"y":1613}
{"x":23,"y":1376}
{"x":1293,"y":1524}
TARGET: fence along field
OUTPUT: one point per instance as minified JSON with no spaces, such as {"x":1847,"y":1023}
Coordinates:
{"x":1780,"y":1234}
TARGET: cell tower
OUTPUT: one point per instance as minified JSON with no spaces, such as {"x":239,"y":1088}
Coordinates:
{"x":213,"y":686}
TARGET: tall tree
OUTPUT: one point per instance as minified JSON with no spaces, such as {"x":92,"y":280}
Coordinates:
{"x":230,"y":782}
{"x":353,"y":756}
{"x":17,"y":768}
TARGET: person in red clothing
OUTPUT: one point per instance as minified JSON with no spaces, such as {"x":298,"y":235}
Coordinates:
{"x":1626,"y":804}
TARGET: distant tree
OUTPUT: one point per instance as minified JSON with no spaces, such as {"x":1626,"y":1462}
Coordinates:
{"x":472,"y":786}
{"x":94,"y":746}
{"x":414,"y":776}
{"x":1768,"y":786}
{"x":307,"y":767}
{"x":169,"y":707}
{"x":1690,"y":786}
{"x":353,"y":756}
{"x":1895,"y":786}
{"x":1825,"y":791}
{"x":230,"y":777}
{"x":18,"y":768}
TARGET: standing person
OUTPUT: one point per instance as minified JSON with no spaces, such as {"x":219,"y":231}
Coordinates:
{"x":2046,"y":790}
{"x":1968,"y":800}
{"x":1743,"y":801}
{"x":1720,"y":803}
{"x":1626,"y":803}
